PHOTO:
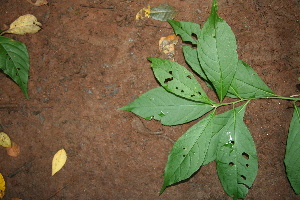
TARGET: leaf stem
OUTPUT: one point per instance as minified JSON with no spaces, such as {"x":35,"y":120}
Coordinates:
{"x":241,"y":100}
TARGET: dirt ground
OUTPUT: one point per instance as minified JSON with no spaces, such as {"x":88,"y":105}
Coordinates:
{"x":90,"y":59}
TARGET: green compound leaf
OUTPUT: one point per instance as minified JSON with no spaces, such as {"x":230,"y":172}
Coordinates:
{"x":163,"y":12}
{"x":166,"y":107}
{"x":188,"y":31}
{"x":236,"y":156}
{"x":217,"y":52}
{"x":189,"y":152}
{"x":292,"y":156}
{"x":178,"y":80}
{"x":247,"y":84}
{"x":14,"y":61}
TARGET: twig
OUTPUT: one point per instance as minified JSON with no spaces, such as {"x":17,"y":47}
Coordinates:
{"x":60,"y":189}
{"x":24,"y":166}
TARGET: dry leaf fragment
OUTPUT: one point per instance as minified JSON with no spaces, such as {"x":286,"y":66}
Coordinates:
{"x":24,"y":24}
{"x":14,"y":150}
{"x":59,"y":161}
{"x":4,"y":140}
{"x":167,"y":45}
{"x":144,"y":12}
{"x":38,"y":2}
{"x":2,"y":186}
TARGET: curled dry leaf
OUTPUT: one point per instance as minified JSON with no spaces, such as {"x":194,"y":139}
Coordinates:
{"x":24,"y":24}
{"x":14,"y":150}
{"x":38,"y":2}
{"x":2,"y":186}
{"x":4,"y":140}
{"x":167,"y":45}
{"x":59,"y":161}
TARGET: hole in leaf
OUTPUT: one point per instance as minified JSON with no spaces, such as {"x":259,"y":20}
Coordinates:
{"x":182,"y":91}
{"x":18,"y":69}
{"x":231,"y":164}
{"x":184,"y":148}
{"x":199,"y":93}
{"x":167,"y":80}
{"x":245,"y":155}
{"x":192,"y":95}
{"x":232,"y":142}
{"x":189,"y":76}
{"x":243,"y":177}
{"x":247,"y":165}
{"x":183,"y":155}
{"x":194,"y":36}
{"x":170,"y":72}
{"x":176,"y":88}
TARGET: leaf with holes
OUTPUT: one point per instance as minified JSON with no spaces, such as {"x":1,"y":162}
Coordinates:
{"x":247,"y":84}
{"x":217,"y":52}
{"x":189,"y":152}
{"x":167,"y":107}
{"x":178,"y":80}
{"x":188,"y":31}
{"x":14,"y":61}
{"x":292,"y":158}
{"x":236,"y":156}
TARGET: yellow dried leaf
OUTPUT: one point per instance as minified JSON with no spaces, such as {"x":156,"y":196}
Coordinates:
{"x":4,"y":140}
{"x":144,"y":12}
{"x":38,"y":2}
{"x":25,"y":24}
{"x":2,"y":186}
{"x":59,"y":161}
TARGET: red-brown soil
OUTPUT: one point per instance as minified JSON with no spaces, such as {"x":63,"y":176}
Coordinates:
{"x":90,"y":59}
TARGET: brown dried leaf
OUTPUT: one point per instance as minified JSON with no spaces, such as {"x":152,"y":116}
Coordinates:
{"x":14,"y":150}
{"x":38,"y":2}
{"x":167,"y":45}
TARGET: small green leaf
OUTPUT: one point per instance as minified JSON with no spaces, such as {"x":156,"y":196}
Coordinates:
{"x":167,"y":107}
{"x":247,"y":84}
{"x":178,"y":80}
{"x":14,"y":61}
{"x":236,"y":156}
{"x":163,"y":12}
{"x":188,"y":31}
{"x":189,"y":152}
{"x":292,"y":157}
{"x":217,"y":52}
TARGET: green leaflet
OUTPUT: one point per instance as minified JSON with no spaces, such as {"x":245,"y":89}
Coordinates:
{"x":167,"y":107}
{"x":14,"y":61}
{"x":189,"y":152}
{"x":236,"y":156}
{"x":188,"y":31}
{"x":178,"y":80}
{"x":163,"y":12}
{"x":247,"y":84}
{"x":292,"y":156}
{"x":217,"y":52}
